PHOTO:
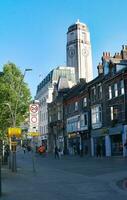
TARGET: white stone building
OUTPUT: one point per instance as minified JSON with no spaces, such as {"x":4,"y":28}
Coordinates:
{"x":78,"y":51}
{"x":44,"y":95}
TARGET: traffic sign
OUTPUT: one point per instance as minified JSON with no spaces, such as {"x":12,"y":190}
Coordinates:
{"x":34,"y":108}
{"x":34,"y":117}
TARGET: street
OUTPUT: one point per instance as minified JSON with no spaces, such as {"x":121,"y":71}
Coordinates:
{"x":71,"y":177}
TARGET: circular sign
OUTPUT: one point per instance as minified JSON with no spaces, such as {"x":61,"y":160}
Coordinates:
{"x":34,"y":108}
{"x":33,"y":119}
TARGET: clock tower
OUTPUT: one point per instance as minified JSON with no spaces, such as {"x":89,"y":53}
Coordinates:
{"x":78,"y":51}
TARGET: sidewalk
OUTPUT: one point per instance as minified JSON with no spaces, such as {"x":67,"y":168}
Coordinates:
{"x":65,"y":179}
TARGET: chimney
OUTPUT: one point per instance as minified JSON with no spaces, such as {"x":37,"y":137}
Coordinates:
{"x":106,"y":55}
{"x":117,"y":55}
{"x":100,"y":69}
{"x":124,"y":52}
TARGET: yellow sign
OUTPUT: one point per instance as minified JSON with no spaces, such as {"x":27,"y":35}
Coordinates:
{"x":34,"y":134}
{"x":13,"y":143}
{"x":14,"y":132}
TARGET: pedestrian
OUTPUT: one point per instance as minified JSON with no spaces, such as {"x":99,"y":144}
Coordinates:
{"x":125,"y":146}
{"x":98,"y":150}
{"x":56,"y":152}
{"x":28,"y":148}
{"x":24,"y":149}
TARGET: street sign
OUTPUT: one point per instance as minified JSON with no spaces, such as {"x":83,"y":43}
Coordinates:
{"x":13,"y":143}
{"x":34,"y":108}
{"x":34,"y":117}
{"x":34,"y":134}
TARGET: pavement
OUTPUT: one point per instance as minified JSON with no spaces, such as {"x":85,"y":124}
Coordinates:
{"x":44,"y":177}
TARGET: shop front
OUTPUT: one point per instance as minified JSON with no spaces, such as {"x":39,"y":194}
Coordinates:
{"x":99,"y":137}
{"x":111,"y":140}
{"x":74,"y":143}
{"x":74,"y":139}
{"x":85,"y":142}
{"x":116,"y":140}
{"x":116,"y":145}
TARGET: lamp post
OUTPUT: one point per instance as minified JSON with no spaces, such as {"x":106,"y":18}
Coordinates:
{"x":14,"y":166}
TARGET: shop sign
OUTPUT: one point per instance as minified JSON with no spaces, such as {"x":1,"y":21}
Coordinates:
{"x":105,"y":131}
{"x":14,"y":132}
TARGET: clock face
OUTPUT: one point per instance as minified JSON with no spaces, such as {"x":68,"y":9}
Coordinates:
{"x":85,"y":52}
{"x":71,"y":52}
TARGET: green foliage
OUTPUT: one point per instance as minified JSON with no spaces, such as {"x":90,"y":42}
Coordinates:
{"x":15,"y":97}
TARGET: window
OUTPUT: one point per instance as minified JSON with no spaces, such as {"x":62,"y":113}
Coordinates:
{"x":84,"y":120}
{"x":83,"y":36}
{"x":116,"y":90}
{"x":96,"y":112}
{"x":76,"y":106}
{"x":110,"y":92}
{"x":99,"y":91}
{"x":85,"y":102}
{"x":73,"y":123}
{"x":114,"y":112}
{"x":93,"y":94}
{"x":58,"y":115}
{"x":50,"y":118}
{"x":120,"y":67}
{"x":121,"y":87}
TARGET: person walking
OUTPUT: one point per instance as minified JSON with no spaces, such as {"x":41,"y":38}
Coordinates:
{"x":125,"y":146}
{"x":98,"y":150}
{"x":56,"y":152}
{"x":24,"y":149}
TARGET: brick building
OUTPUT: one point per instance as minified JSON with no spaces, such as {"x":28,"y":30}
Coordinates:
{"x":96,"y":112}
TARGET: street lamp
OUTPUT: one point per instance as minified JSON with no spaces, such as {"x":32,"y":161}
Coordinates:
{"x":14,"y":115}
{"x":16,"y":105}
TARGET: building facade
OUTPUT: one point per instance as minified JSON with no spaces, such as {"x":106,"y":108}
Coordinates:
{"x":77,"y":118}
{"x":44,"y":95}
{"x":96,"y":112}
{"x":78,"y":51}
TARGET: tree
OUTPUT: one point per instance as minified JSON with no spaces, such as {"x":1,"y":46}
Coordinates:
{"x":14,"y":97}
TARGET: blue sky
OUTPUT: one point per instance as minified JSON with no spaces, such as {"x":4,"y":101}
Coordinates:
{"x":33,"y":32}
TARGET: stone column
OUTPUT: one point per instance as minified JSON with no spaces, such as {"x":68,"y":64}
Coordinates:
{"x":92,"y":147}
{"x":108,"y":145}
